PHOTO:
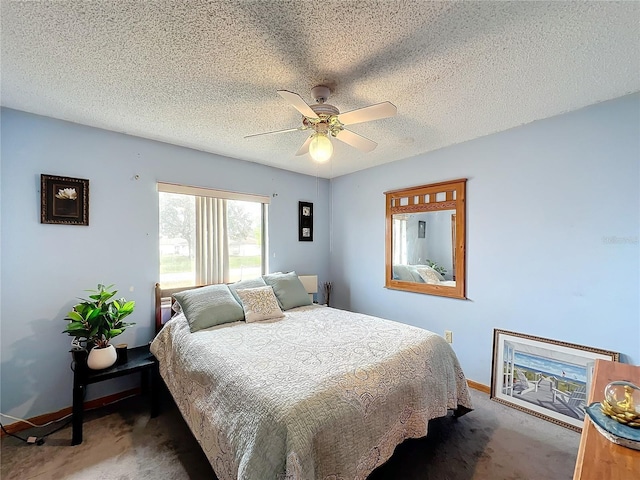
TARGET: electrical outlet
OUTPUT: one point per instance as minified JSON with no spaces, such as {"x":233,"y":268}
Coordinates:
{"x":448,"y":336}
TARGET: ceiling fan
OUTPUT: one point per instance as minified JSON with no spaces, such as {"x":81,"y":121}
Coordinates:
{"x":326,"y":121}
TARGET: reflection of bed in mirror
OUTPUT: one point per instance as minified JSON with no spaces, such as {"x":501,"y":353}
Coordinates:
{"x":420,"y":274}
{"x":434,"y":247}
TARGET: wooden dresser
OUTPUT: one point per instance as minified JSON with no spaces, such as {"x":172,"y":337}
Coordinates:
{"x":598,"y":458}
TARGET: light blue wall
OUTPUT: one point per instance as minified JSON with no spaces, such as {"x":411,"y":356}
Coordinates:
{"x":45,"y":267}
{"x":543,"y":201}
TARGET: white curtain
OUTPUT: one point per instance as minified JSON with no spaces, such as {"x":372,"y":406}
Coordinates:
{"x":212,"y":244}
{"x":399,"y":240}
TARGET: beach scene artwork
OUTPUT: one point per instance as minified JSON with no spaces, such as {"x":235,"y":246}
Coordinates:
{"x":544,"y":377}
{"x":552,"y":384}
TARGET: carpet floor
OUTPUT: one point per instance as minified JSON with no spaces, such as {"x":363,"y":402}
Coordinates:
{"x":121,"y":442}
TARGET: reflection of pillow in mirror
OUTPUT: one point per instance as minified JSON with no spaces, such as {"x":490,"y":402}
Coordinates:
{"x":259,"y":304}
{"x":403,"y":273}
{"x":428,"y":274}
{"x":440,"y":276}
{"x":415,"y":275}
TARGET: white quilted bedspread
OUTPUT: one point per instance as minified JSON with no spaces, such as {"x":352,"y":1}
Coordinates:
{"x":319,"y":394}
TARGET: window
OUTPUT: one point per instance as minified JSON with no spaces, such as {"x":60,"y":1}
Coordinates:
{"x":210,"y":236}
{"x":400,"y":239}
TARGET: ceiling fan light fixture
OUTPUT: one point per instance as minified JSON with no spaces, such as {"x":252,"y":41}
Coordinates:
{"x":326,"y":120}
{"x":320,"y":148}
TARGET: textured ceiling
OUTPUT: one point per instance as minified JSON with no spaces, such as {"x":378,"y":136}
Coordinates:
{"x":205,"y":74}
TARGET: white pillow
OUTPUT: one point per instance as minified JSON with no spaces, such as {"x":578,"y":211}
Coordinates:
{"x":175,"y":306}
{"x":429,"y":275}
{"x":259,"y":304}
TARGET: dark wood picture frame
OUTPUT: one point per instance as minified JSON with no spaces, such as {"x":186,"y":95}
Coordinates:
{"x":549,"y":379}
{"x":64,"y":200}
{"x":305,"y":221}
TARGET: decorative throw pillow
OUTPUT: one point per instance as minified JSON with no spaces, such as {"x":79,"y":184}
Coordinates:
{"x":175,"y":306}
{"x":209,"y":306}
{"x":429,"y":275}
{"x":415,"y":276}
{"x":288,"y":289}
{"x":438,"y":274}
{"x":259,"y":304}
{"x":251,"y":283}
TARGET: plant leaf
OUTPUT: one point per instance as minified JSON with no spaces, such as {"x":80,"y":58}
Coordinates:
{"x":107,"y":295}
{"x":73,"y":315}
{"x":74,"y":326}
{"x":129,"y":306}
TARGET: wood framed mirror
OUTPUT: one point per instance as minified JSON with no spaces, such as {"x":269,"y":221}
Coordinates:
{"x":426,"y":239}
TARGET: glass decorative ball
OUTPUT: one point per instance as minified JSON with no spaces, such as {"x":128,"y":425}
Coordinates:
{"x":622,"y":402}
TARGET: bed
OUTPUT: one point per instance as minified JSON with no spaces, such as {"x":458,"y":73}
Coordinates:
{"x":420,"y":274}
{"x":318,"y":393}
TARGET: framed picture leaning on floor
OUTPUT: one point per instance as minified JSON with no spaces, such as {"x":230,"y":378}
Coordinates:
{"x":546,"y":378}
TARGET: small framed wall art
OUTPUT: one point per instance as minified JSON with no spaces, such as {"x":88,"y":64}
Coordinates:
{"x":305,"y":222}
{"x":64,"y":200}
{"x":422,"y":229}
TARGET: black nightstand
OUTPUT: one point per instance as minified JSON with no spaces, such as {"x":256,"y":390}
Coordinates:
{"x":139,"y":359}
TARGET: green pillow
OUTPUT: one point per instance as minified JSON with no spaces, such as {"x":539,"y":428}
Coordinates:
{"x":209,"y":306}
{"x":251,"y":283}
{"x":288,"y":289}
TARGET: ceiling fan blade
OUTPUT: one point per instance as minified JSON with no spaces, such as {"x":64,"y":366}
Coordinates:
{"x":298,"y":103}
{"x":276,"y":131}
{"x":305,"y":147}
{"x":366,"y":114}
{"x":357,"y":141}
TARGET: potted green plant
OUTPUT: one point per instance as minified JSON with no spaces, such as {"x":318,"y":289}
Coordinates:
{"x":438,"y":268}
{"x":95,"y":321}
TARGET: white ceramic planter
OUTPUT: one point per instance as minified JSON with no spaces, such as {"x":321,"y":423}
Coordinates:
{"x":100,"y":358}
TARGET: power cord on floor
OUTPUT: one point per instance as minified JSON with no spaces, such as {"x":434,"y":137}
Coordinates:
{"x":36,"y":440}
{"x":33,"y":424}
{"x":40,"y":440}
{"x":30,"y":440}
